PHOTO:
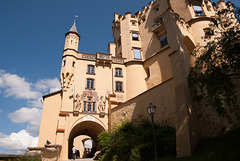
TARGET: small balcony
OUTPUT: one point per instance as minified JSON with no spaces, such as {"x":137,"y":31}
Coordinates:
{"x":87,"y":56}
{"x":104,"y":58}
{"x":118,"y":60}
{"x":158,"y":26}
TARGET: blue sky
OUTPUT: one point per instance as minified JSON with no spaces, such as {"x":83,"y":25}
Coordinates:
{"x":32,"y":36}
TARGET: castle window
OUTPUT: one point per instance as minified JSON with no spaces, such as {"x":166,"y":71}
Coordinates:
{"x":156,"y":8}
{"x":163,"y":40}
{"x":198,"y":10}
{"x":119,"y":87}
{"x":134,"y":23}
{"x":64,"y":63}
{"x":118,"y":72}
{"x":137,"y":54}
{"x":84,"y":106}
{"x":90,"y":84}
{"x":93,"y":106}
{"x":90,"y":69}
{"x":73,"y":64}
{"x":89,"y":107}
{"x":159,"y":20}
{"x":135,"y":36}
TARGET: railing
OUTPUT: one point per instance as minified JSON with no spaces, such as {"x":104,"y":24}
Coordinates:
{"x":157,"y":25}
{"x":101,"y":57}
{"x":118,"y":60}
{"x":104,"y":56}
{"x":87,"y":56}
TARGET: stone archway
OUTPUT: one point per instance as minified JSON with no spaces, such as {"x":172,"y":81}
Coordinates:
{"x":89,"y":128}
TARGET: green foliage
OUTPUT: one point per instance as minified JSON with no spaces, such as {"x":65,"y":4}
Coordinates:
{"x":134,"y":142}
{"x":217,"y":69}
{"x":30,"y":158}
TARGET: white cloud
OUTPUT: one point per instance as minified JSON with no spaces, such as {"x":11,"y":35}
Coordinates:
{"x":48,"y":84}
{"x":1,"y":81}
{"x":13,"y":85}
{"x":17,"y":86}
{"x":36,"y":103}
{"x":17,"y":142}
{"x":32,"y":116}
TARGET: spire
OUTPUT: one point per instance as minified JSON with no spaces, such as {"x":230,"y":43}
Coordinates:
{"x":74,"y":28}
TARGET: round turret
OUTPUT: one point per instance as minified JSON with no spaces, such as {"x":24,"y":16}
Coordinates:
{"x":72,"y":39}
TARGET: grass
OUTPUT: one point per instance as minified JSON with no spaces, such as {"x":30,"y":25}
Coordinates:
{"x":222,"y":148}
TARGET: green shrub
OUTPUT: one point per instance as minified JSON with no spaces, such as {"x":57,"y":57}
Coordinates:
{"x":134,"y":141}
{"x":30,"y":158}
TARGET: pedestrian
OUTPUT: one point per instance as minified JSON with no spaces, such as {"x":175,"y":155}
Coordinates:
{"x":78,"y":154}
{"x":74,"y":152}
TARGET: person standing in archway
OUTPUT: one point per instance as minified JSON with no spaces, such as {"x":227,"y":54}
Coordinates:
{"x":74,"y":152}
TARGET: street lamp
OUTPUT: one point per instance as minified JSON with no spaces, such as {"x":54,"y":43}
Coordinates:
{"x":151,"y":109}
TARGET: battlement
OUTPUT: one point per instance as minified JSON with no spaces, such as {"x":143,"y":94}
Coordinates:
{"x":118,"y":17}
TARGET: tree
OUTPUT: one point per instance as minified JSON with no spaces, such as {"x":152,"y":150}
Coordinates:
{"x":132,"y":141}
{"x":217,"y":69}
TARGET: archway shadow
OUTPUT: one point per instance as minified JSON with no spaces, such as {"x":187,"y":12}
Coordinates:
{"x":89,"y":128}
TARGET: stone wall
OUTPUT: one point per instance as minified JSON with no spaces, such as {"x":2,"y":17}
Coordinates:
{"x":162,"y":96}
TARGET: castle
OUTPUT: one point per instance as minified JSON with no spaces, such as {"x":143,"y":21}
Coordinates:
{"x":148,"y":62}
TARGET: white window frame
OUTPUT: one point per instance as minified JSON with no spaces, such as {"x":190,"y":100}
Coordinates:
{"x":137,"y":53}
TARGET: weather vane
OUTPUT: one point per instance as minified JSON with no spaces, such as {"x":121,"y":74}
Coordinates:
{"x":75,"y":18}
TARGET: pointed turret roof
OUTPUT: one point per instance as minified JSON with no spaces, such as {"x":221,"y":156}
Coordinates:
{"x":73,"y":28}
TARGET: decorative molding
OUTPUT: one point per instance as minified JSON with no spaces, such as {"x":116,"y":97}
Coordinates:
{"x":66,"y":80}
{"x":112,"y":95}
{"x":60,"y":130}
{"x":63,"y":114}
{"x":114,"y":102}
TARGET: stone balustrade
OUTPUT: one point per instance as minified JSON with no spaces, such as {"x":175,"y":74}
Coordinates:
{"x":101,"y":57}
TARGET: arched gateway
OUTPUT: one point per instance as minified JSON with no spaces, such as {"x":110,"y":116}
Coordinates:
{"x":85,"y":128}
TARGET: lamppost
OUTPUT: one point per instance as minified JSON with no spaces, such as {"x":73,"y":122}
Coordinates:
{"x":151,"y":109}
